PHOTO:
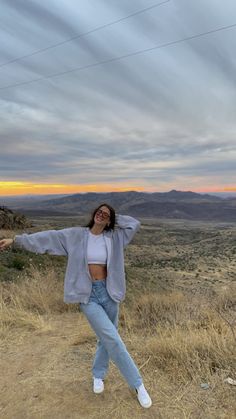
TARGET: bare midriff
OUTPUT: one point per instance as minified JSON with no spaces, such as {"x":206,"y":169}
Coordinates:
{"x":97,"y":271}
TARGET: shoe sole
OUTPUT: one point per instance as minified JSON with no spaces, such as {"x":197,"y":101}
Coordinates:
{"x":98,"y":391}
{"x":146,"y":406}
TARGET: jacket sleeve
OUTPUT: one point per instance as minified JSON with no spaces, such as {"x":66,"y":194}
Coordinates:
{"x":127,"y":227}
{"x":53,"y":242}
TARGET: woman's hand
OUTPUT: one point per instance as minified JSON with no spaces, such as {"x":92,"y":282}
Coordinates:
{"x":5,"y":243}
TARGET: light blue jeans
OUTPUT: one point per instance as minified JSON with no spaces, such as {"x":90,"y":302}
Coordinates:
{"x":102,"y":313}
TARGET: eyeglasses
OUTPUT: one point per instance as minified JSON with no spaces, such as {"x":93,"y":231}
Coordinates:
{"x":103,"y":213}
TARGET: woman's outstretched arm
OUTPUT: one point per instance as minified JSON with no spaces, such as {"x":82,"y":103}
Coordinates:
{"x":53,"y":242}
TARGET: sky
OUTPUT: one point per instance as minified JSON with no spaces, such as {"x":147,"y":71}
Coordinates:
{"x":110,"y":95}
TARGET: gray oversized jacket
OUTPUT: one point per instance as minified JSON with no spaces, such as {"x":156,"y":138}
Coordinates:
{"x":72,"y":242}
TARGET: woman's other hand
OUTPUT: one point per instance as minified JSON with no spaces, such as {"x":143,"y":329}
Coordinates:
{"x":5,"y":243}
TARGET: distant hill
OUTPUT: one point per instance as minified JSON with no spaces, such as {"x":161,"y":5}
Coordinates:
{"x":173,"y":204}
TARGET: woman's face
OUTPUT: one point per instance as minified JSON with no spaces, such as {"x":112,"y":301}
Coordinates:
{"x":102,"y":216}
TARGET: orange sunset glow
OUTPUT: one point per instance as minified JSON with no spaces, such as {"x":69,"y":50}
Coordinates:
{"x":23,"y":188}
{"x":212,"y":189}
{"x":9,"y":188}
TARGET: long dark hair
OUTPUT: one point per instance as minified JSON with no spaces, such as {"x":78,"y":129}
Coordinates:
{"x":112,"y":217}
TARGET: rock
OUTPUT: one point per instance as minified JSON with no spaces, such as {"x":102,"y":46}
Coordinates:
{"x":230,"y":381}
{"x":205,"y":386}
{"x":10,"y":220}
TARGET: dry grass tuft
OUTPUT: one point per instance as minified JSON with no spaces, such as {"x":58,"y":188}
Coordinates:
{"x":17,"y":316}
{"x":190,"y":353}
{"x":186,"y":335}
{"x":151,"y":309}
{"x":25,"y":303}
{"x":38,"y":291}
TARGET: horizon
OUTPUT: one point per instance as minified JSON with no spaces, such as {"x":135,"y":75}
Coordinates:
{"x":23,"y":195}
{"x":18,"y":188}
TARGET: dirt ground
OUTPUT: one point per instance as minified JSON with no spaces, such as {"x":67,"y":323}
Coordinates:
{"x":46,"y":374}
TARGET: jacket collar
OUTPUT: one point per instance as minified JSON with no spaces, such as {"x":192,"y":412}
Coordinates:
{"x":107,"y":233}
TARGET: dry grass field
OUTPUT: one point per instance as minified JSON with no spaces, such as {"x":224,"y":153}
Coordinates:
{"x":178,"y":322}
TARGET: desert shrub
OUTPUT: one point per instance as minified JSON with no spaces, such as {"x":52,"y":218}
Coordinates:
{"x":153,"y":309}
{"x":190,"y":353}
{"x":17,"y":262}
{"x":36,"y":294}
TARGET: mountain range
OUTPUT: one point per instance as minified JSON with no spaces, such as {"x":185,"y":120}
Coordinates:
{"x":174,"y":205}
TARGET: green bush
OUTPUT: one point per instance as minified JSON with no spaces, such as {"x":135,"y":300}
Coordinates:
{"x":17,"y":262}
{"x":2,"y":268}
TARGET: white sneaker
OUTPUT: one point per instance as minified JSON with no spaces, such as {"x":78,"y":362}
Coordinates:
{"x":98,"y":385}
{"x":143,"y":396}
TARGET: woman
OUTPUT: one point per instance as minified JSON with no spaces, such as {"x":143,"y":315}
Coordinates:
{"x":95,"y":278}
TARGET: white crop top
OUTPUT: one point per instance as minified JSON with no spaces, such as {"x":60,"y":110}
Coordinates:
{"x":96,"y":250}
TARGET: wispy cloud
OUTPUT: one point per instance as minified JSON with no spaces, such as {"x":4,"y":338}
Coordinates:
{"x":165,"y":118}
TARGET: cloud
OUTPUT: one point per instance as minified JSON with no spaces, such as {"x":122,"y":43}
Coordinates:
{"x":166,"y":114}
